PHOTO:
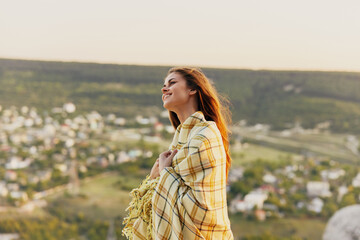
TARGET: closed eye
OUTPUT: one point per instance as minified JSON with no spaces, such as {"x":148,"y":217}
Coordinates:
{"x":170,"y":83}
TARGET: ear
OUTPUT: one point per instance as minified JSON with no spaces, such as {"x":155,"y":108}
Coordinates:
{"x":193,"y":91}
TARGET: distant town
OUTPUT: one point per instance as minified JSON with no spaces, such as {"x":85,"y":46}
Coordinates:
{"x":41,"y":155}
{"x":45,"y":153}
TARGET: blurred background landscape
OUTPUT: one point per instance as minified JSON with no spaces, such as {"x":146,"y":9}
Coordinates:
{"x":77,"y":137}
{"x":82,"y":122}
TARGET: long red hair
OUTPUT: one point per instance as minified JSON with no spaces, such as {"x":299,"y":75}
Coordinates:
{"x":209,"y":103}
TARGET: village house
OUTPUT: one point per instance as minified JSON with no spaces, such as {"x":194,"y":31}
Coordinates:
{"x":110,"y":118}
{"x":16,"y":162}
{"x":269,"y":178}
{"x":9,"y":236}
{"x":170,"y":129}
{"x":83,"y":168}
{"x":141,"y":120}
{"x":122,"y":157}
{"x":332,"y":174}
{"x":158,"y":126}
{"x":62,"y":167}
{"x":3,"y":189}
{"x":120,"y":121}
{"x":341,"y":192}
{"x":315,"y":205}
{"x":318,"y":189}
{"x":134,"y":153}
{"x":356,"y":181}
{"x":237,"y":205}
{"x":252,"y":199}
{"x":69,"y":107}
{"x":19,"y":195}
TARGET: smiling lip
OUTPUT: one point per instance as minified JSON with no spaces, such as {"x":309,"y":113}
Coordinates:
{"x":166,"y":95}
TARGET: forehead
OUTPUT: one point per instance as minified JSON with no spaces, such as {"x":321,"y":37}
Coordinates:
{"x":173,"y":76}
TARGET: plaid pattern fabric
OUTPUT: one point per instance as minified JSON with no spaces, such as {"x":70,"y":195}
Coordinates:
{"x":189,"y":201}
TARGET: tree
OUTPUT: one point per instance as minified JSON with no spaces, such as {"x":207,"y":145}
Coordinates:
{"x":348,"y":199}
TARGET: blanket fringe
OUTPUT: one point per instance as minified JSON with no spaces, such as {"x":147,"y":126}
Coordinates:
{"x":140,"y":207}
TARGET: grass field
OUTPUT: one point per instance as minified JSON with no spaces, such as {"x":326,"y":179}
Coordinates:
{"x":311,"y":229}
{"x":322,"y":144}
{"x":253,"y":152}
{"x":99,"y":198}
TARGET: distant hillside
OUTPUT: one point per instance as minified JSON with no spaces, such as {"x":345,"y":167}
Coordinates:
{"x":275,"y":97}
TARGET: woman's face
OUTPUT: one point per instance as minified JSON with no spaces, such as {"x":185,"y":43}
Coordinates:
{"x":175,"y":93}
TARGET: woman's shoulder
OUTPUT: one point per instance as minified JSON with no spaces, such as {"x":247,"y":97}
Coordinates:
{"x":206,"y":130}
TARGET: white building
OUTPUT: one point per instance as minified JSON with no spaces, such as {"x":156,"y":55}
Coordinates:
{"x":341,"y":192}
{"x":169,"y":129}
{"x":315,"y":205}
{"x":9,"y":236}
{"x":69,"y":107}
{"x":255,"y":198}
{"x":17,"y":163}
{"x":122,"y":157}
{"x":141,"y":120}
{"x":356,"y":181}
{"x":332,"y":174}
{"x":252,"y":199}
{"x":318,"y":189}
{"x":19,"y":195}
{"x":269,"y":178}
{"x":120,"y":121}
{"x":3,"y":189}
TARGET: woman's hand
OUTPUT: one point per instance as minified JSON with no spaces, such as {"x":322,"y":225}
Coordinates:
{"x":165,"y":159}
{"x":155,"y":170}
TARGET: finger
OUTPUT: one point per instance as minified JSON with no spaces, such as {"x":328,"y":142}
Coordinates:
{"x":165,"y":154}
{"x":173,"y":153}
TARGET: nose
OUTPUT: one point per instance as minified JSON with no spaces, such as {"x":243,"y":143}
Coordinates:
{"x":164,"y":89}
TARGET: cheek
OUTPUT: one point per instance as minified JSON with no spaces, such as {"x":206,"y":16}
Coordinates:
{"x":183,"y":95}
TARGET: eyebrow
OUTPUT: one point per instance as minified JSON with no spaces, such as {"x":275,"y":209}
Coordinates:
{"x":169,"y":81}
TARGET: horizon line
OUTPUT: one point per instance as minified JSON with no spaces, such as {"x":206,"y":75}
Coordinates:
{"x":184,"y":65}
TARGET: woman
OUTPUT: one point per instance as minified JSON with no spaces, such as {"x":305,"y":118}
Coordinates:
{"x":184,"y":196}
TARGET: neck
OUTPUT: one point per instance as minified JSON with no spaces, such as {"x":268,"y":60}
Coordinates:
{"x":185,"y":113}
{"x":186,"y":110}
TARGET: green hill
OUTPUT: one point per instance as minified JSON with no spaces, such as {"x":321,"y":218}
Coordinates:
{"x":275,"y":97}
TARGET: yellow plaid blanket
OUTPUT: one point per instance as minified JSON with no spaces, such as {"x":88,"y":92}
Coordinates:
{"x":189,"y":199}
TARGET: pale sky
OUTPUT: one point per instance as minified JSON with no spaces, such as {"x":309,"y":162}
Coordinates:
{"x":254,"y":34}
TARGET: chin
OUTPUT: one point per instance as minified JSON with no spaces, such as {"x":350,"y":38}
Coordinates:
{"x":167,"y":106}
